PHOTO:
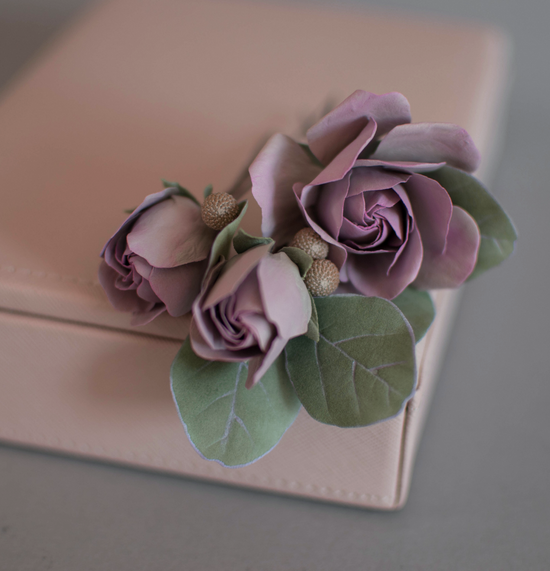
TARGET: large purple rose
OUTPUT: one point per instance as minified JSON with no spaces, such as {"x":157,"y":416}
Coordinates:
{"x":249,"y":308}
{"x":387,"y":225}
{"x":157,"y":259}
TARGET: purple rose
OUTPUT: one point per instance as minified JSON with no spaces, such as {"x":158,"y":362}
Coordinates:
{"x":158,"y":257}
{"x":249,"y":308}
{"x":387,"y":225}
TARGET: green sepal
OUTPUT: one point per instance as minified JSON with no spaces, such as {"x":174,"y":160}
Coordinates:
{"x":242,"y":241}
{"x":363,"y":368}
{"x":302,"y":259}
{"x":207,"y":191}
{"x":181,"y":191}
{"x":313,"y":325}
{"x":129,"y":210}
{"x":497,"y":230}
{"x":222,"y":243}
{"x":225,"y":421}
{"x":418,"y":308}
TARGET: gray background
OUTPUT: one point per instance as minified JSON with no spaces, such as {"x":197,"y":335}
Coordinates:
{"x":479,"y":498}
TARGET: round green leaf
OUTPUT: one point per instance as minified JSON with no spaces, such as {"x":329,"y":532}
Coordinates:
{"x":363,"y":368}
{"x":417,"y":306}
{"x":225,"y":421}
{"x":498,"y":234}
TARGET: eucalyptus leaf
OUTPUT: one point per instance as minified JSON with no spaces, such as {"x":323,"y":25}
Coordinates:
{"x":417,"y":306}
{"x":497,"y":230}
{"x":181,"y":191}
{"x":207,"y":191}
{"x":222,"y":243}
{"x":244,"y":241}
{"x":302,"y":259}
{"x":363,"y":368}
{"x":313,"y":325}
{"x":225,"y":421}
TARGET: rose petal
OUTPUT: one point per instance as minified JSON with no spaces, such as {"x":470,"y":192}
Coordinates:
{"x":354,"y":209}
{"x":432,"y":209}
{"x":329,"y":208}
{"x":399,"y":166}
{"x":371,"y":274}
{"x":202,"y":317}
{"x":342,"y":125}
{"x":337,"y":253}
{"x":285,"y":298}
{"x":141,"y":266}
{"x":363,"y":240}
{"x":145,"y":291}
{"x":148,"y":316}
{"x":356,"y":232}
{"x":123,"y":300}
{"x":374,"y":178}
{"x":396,"y":218}
{"x":233,"y":274}
{"x":171,"y":234}
{"x":452,"y":267}
{"x":280,"y":164}
{"x":125,"y":227}
{"x":113,"y":253}
{"x":344,"y":161}
{"x":202,"y":348}
{"x":178,"y":287}
{"x":258,"y":366}
{"x":430,"y":142}
{"x":261,"y":329}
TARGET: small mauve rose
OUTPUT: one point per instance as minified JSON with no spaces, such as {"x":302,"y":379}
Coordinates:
{"x":387,"y":224}
{"x":157,"y":259}
{"x":249,"y":308}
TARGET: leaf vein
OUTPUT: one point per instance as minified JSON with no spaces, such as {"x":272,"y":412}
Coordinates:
{"x":231,"y":417}
{"x":383,"y":381}
{"x":212,"y":402}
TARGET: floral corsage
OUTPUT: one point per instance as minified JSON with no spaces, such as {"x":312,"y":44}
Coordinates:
{"x":323,"y":310}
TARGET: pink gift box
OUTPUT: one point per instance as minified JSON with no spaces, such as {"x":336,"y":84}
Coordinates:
{"x":139,"y":91}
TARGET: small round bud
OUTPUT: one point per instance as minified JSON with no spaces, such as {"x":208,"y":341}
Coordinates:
{"x":322,"y":278}
{"x":311,"y":243}
{"x":218,"y":210}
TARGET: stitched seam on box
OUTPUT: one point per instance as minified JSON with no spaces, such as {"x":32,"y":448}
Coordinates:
{"x":157,"y":461}
{"x":87,"y":324}
{"x":48,"y":275}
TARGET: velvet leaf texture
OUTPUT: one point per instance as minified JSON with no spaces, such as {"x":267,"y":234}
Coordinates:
{"x":498,"y":234}
{"x":363,"y":368}
{"x":417,"y":306}
{"x":225,"y":421}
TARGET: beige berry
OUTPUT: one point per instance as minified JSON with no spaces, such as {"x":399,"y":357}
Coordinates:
{"x":218,"y":210}
{"x":323,"y":278}
{"x":311,"y":243}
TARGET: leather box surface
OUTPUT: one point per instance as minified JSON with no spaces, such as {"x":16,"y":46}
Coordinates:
{"x":185,"y":90}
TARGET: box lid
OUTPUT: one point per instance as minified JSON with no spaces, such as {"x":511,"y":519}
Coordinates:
{"x":140,"y":91}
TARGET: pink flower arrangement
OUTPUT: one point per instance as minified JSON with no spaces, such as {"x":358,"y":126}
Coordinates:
{"x":302,"y":316}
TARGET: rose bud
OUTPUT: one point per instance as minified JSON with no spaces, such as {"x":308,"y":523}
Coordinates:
{"x":157,"y":259}
{"x":248,"y":309}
